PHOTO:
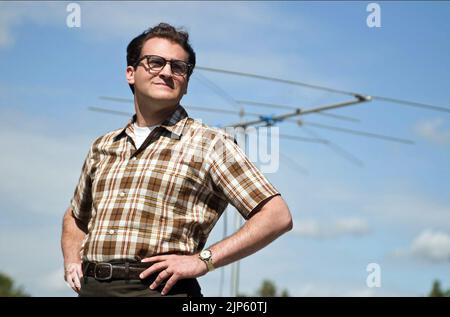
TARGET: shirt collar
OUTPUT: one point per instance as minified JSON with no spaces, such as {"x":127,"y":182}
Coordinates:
{"x":174,"y":124}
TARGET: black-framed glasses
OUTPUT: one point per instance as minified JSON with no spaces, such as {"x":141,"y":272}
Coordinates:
{"x":156,"y":63}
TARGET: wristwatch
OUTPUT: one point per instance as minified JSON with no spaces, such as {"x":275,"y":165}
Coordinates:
{"x":206,"y":256}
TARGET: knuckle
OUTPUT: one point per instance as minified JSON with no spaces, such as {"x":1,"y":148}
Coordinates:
{"x":147,"y":272}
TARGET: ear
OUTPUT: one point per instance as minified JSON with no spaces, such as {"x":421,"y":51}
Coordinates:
{"x":186,"y":88}
{"x":130,"y":74}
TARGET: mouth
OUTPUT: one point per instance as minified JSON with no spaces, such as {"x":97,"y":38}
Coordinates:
{"x":163,"y":85}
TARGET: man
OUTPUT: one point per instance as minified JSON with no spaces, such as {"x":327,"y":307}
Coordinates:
{"x":150,"y":193}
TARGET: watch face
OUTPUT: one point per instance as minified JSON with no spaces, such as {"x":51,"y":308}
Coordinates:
{"x":205,"y":254}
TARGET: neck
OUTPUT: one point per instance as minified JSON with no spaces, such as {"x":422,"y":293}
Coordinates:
{"x":149,"y":114}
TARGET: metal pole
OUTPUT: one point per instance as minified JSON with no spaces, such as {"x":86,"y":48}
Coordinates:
{"x":241,"y":138}
{"x":235,"y":265}
{"x":298,"y":112}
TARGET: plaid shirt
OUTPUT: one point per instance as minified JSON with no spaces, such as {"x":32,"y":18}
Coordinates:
{"x":166,"y":196}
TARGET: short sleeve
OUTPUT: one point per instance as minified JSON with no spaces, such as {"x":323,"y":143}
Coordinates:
{"x":236,"y":177}
{"x":81,"y":201}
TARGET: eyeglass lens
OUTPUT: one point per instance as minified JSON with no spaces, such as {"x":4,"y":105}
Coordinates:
{"x":157,"y":63}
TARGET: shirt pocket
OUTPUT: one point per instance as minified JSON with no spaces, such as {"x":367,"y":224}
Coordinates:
{"x":176,"y":190}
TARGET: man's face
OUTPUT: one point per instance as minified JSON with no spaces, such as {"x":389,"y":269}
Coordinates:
{"x":160,"y":88}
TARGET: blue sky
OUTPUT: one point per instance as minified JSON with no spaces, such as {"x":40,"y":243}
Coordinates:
{"x":394,"y":211}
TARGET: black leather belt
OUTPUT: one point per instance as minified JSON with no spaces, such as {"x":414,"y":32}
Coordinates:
{"x":104,"y":271}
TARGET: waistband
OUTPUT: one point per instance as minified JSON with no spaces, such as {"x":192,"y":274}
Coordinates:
{"x":104,"y":271}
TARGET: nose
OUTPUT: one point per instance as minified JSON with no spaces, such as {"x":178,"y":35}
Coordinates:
{"x":166,"y":70}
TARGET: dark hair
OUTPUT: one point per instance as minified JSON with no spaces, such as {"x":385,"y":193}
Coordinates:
{"x":165,"y":31}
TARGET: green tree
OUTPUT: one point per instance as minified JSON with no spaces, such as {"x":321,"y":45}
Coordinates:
{"x":7,"y":288}
{"x":268,"y":289}
{"x":437,"y":291}
{"x":285,"y":293}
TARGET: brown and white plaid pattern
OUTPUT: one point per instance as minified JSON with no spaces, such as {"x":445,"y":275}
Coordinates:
{"x":166,"y":196}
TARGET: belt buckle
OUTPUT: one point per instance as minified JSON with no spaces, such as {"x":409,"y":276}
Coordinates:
{"x":99,"y":278}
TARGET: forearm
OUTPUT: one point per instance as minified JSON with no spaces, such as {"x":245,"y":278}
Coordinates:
{"x":269,"y":223}
{"x":72,"y":237}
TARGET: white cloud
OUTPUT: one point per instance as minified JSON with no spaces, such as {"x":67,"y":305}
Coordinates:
{"x":407,"y":208}
{"x":340,"y":227}
{"x":352,"y":225}
{"x":13,"y":14}
{"x":430,"y":245}
{"x":433,"y":130}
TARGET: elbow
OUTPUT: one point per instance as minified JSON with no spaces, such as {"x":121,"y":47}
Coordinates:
{"x":288,"y":223}
{"x":67,"y":215}
{"x":284,"y":221}
{"x":276,"y":214}
{"x":69,"y":221}
{"x":281,"y":216}
{"x":286,"y":218}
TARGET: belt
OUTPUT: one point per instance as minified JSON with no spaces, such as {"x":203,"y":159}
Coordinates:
{"x":104,"y":271}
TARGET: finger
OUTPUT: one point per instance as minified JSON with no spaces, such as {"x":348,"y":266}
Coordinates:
{"x":169,"y":284}
{"x":157,"y":258}
{"x":161,"y":277}
{"x":77,"y":282}
{"x":79,"y":271}
{"x":73,"y":288}
{"x":153,"y":269}
{"x":70,"y":282}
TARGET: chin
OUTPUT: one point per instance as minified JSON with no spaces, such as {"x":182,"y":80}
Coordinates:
{"x":163,"y":95}
{"x":166,"y":100}
{"x":166,"y":97}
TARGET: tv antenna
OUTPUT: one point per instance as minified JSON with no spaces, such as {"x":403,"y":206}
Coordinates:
{"x":264,"y":120}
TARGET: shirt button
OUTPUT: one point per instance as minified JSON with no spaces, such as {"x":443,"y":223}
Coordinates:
{"x":122,"y":194}
{"x":111,"y":231}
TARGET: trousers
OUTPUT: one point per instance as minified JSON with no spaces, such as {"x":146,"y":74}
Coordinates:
{"x":90,"y":287}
